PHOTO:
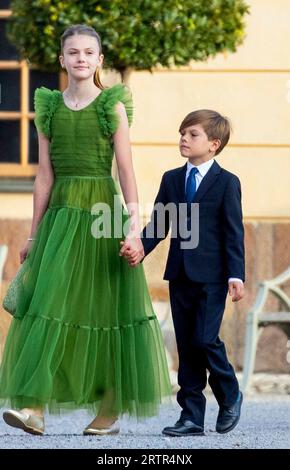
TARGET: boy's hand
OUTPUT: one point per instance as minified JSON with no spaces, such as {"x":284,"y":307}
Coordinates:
{"x":133,"y":257}
{"x":236,"y":290}
{"x":133,"y":254}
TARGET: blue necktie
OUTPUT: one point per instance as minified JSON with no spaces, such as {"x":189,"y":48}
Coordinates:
{"x":191,"y":185}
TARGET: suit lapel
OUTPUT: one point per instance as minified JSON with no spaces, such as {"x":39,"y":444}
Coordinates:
{"x":207,"y":181}
{"x":179,"y":181}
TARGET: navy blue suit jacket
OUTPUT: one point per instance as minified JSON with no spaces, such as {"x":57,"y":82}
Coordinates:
{"x":220,"y":251}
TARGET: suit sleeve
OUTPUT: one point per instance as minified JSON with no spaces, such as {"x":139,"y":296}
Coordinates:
{"x":233,"y":230}
{"x":158,"y":227}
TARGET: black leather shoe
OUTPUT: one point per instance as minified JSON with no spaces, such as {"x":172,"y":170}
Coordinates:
{"x":183,"y":428}
{"x":229,"y":416}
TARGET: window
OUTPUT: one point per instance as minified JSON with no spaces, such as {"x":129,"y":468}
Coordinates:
{"x":18,"y":137}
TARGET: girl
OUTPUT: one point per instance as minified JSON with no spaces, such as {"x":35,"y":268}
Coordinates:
{"x":84,"y":333}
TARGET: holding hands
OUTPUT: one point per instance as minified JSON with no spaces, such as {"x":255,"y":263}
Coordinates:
{"x":132,"y":249}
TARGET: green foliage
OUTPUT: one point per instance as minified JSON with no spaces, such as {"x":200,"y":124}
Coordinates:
{"x":138,"y":34}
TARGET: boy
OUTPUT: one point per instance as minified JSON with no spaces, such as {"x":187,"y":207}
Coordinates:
{"x":200,"y":277}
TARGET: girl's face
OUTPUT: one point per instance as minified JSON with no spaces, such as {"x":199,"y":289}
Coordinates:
{"x":194,"y":142}
{"x":81,"y":56}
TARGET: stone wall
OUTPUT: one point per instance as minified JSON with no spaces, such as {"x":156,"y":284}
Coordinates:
{"x":267,"y":254}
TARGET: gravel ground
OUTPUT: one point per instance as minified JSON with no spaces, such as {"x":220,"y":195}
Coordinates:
{"x":265,"y":424}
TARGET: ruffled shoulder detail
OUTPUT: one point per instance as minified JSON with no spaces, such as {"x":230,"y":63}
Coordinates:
{"x":45,"y":102}
{"x":108,"y":116}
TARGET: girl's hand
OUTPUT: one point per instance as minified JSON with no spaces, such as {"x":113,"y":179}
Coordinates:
{"x":132,"y":243}
{"x":24,"y":251}
{"x":132,"y":249}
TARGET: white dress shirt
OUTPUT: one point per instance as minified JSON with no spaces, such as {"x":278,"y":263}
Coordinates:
{"x":202,"y":171}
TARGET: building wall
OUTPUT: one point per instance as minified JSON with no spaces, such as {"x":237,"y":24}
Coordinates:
{"x":250,"y":87}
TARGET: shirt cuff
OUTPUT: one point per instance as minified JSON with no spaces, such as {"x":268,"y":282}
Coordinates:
{"x":235,"y":279}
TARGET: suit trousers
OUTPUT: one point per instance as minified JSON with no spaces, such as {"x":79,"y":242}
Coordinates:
{"x":197,"y":311}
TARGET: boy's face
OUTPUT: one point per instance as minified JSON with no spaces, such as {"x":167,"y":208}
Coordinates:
{"x":194,"y":144}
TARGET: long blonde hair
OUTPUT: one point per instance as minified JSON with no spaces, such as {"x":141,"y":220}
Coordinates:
{"x":88,"y":31}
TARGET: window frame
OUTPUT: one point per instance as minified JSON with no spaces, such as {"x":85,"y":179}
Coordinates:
{"x":24,"y":170}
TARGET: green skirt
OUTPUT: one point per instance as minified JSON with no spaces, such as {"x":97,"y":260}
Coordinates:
{"x":84,"y":334}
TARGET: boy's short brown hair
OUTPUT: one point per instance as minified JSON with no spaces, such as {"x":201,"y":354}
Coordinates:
{"x":214,"y":125}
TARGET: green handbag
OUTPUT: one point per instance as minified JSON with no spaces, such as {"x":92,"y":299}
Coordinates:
{"x":10,"y":300}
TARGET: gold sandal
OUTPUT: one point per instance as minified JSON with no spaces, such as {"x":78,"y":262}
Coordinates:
{"x":27,"y":422}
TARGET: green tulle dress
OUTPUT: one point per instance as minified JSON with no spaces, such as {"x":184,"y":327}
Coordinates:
{"x":84,"y":334}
